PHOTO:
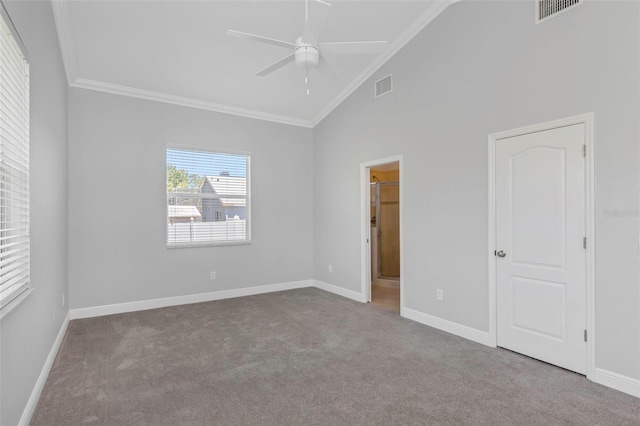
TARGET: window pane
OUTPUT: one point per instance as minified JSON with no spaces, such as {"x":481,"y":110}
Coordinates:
{"x":207,"y":197}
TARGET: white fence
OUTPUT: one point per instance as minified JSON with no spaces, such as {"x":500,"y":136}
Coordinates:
{"x":203,"y":232}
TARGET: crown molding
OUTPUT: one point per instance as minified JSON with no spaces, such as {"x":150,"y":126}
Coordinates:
{"x":68,"y":51}
{"x":187,"y":102}
{"x":65,"y":39}
{"x":418,"y":25}
{"x":62,"y":20}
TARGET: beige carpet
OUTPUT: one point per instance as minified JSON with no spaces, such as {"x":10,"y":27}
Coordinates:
{"x":304,"y":357}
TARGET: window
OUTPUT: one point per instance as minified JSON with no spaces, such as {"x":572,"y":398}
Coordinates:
{"x":14,"y":163}
{"x":208,"y":197}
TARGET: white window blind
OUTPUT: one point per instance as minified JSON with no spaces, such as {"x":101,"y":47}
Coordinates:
{"x":14,"y":164}
{"x":208,"y":197}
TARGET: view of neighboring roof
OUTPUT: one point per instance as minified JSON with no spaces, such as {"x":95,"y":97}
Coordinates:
{"x":233,"y":186}
{"x":184,"y":211}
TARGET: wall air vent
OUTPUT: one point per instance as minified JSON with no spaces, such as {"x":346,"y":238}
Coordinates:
{"x":546,"y":9}
{"x":383,"y":86}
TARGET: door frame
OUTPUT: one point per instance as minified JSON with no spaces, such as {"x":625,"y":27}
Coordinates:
{"x":588,"y":121}
{"x":365,"y":217}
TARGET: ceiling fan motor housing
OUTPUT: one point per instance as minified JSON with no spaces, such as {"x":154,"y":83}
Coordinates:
{"x":307,"y":56}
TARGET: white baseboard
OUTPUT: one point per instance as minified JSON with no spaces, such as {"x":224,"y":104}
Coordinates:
{"x":142,"y":305}
{"x":30,"y":408}
{"x":618,"y":382}
{"x":472,"y":334}
{"x":340,"y":291}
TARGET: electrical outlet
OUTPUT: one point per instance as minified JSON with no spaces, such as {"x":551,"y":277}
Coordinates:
{"x":212,"y":275}
{"x":330,"y":268}
{"x":439,"y":294}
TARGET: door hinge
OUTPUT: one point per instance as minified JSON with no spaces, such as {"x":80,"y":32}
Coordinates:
{"x":584,"y":150}
{"x":584,"y":243}
{"x":585,"y":335}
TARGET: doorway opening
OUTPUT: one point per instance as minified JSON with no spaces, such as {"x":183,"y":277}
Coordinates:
{"x":384,"y":247}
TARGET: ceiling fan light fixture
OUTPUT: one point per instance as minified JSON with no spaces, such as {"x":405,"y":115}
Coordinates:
{"x":307,"y":57}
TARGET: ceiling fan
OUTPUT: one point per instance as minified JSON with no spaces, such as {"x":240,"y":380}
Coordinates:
{"x":306,"y":52}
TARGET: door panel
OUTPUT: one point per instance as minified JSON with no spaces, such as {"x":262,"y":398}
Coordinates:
{"x":528,"y":295}
{"x":540,"y":225}
{"x":538,"y":204}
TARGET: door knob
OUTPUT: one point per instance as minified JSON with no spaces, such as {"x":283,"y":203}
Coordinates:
{"x":501,"y":253}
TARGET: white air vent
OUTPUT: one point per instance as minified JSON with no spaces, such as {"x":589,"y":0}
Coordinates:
{"x":383,"y":86}
{"x":546,"y":9}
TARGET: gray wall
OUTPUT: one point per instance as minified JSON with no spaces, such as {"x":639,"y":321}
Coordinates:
{"x":29,"y":330}
{"x":117,"y":196}
{"x":480,"y":68}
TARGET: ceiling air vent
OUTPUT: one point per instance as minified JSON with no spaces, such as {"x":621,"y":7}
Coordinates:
{"x":546,"y":9}
{"x":383,"y":86}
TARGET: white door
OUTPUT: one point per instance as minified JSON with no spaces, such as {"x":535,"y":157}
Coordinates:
{"x":541,"y":260}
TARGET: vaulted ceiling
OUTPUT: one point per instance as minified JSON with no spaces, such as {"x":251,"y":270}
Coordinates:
{"x":177,"y":51}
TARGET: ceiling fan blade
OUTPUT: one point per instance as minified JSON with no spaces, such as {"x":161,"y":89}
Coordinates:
{"x":267,"y":40}
{"x":279,"y":64}
{"x":317,"y":14}
{"x":353,"y":47}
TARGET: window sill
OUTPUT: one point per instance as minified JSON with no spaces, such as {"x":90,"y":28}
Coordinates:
{"x":195,"y":245}
{"x":15,"y":302}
